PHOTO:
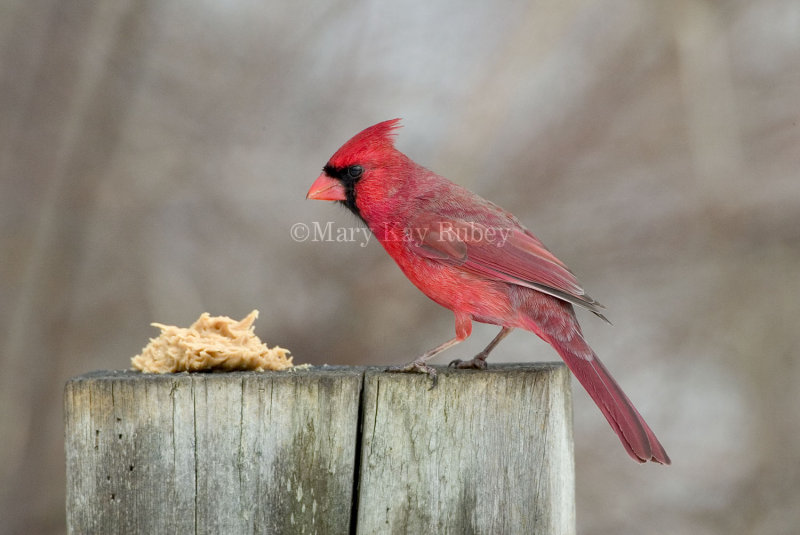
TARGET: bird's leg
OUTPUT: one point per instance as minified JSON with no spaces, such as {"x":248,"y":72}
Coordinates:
{"x":479,"y":361}
{"x":419,"y":364}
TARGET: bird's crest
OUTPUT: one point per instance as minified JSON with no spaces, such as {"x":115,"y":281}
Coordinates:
{"x":373,"y":140}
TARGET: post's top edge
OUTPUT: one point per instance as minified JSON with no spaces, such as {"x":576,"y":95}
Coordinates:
{"x":313,"y":371}
{"x":324,"y":370}
{"x":496,"y":368}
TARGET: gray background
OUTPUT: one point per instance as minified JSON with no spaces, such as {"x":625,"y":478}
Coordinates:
{"x":154,"y":156}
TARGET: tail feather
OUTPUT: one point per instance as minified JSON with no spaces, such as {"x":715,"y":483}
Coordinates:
{"x":636,"y":436}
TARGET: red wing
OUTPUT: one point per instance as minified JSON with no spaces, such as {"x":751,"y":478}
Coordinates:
{"x":509,"y":254}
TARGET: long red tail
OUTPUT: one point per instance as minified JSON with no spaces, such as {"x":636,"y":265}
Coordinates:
{"x":637,"y":437}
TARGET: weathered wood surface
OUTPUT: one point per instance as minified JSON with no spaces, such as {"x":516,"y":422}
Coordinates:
{"x":211,"y":453}
{"x":484,"y":452}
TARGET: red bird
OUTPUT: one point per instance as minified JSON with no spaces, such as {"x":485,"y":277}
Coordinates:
{"x":476,"y":259}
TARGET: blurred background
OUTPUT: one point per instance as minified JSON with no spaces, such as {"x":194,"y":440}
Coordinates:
{"x":154,"y":156}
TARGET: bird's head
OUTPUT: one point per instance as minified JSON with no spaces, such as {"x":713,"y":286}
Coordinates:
{"x":360,"y":168}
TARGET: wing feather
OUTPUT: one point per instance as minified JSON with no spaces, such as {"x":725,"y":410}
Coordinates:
{"x":511,"y":254}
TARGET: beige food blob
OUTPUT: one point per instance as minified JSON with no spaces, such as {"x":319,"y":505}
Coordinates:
{"x":216,"y":343}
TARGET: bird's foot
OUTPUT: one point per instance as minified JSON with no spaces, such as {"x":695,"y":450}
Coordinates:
{"x":417,"y":366}
{"x":476,"y":363}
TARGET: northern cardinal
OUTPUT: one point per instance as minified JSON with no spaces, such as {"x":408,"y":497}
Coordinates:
{"x":476,"y":259}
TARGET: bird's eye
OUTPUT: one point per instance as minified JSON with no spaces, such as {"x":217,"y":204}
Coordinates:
{"x":354,"y":171}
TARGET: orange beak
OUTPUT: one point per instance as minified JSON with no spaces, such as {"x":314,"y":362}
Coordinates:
{"x":326,"y":188}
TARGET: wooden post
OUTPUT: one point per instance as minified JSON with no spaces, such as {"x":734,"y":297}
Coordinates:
{"x":211,"y":453}
{"x":484,"y":452}
{"x":327,"y":450}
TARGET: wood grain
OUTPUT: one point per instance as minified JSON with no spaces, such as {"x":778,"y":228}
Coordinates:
{"x":484,"y":452}
{"x":212,"y":453}
{"x":328,"y":450}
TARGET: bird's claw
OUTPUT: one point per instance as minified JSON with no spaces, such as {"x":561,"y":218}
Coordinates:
{"x":477,"y":363}
{"x":417,"y":366}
